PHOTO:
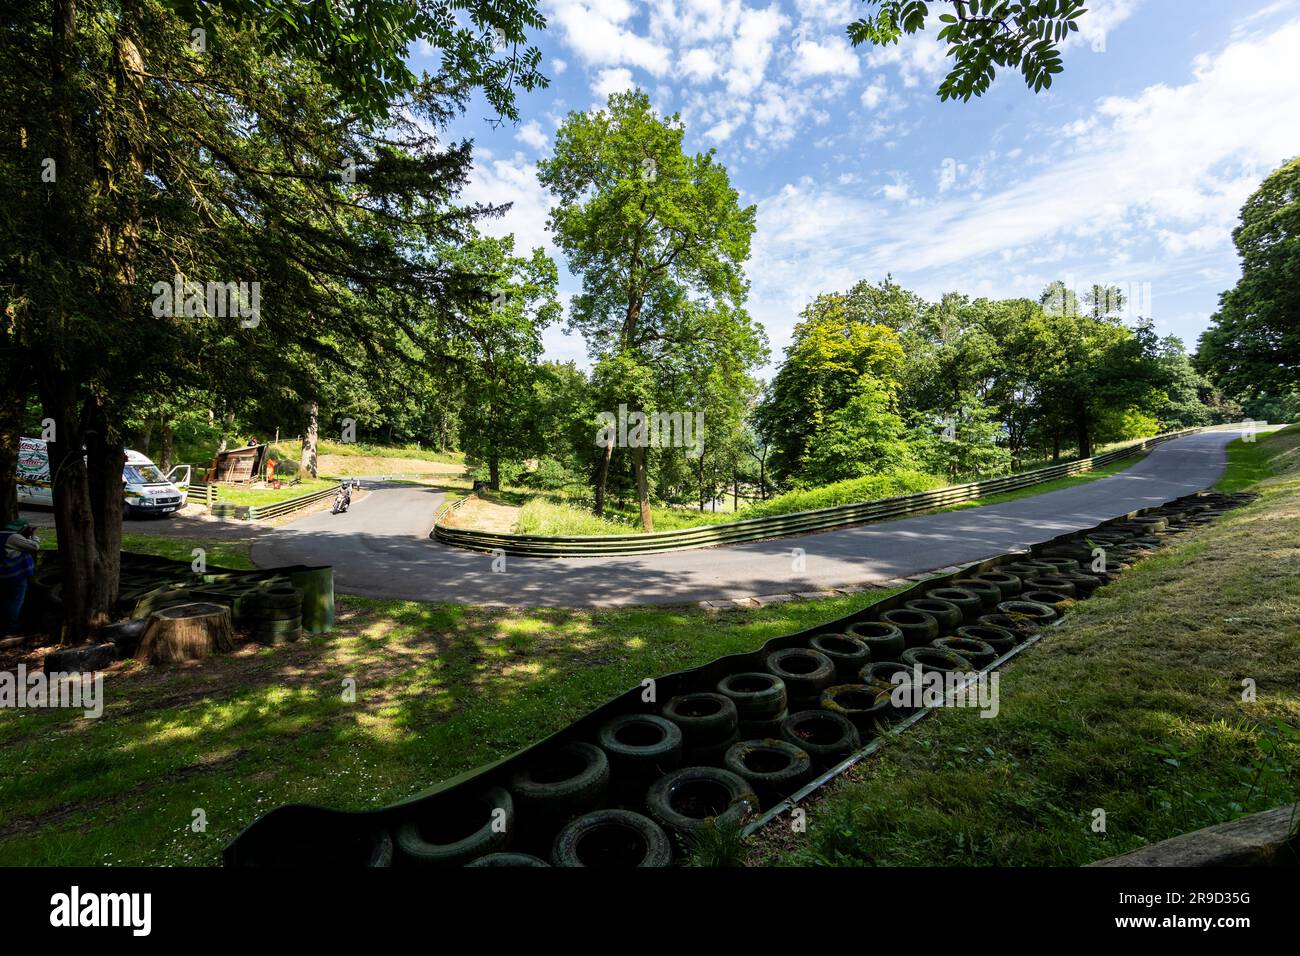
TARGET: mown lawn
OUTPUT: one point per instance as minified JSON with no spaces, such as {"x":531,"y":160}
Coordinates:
{"x":1134,"y":706}
{"x":440,"y":689}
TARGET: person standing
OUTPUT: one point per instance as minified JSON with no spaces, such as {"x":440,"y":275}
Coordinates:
{"x":18,"y":545}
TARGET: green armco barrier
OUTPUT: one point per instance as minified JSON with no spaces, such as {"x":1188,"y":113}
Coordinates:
{"x":299,"y":833}
{"x":776,"y":526}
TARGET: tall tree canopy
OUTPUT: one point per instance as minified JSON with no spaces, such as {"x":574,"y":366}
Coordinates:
{"x":1252,"y":346}
{"x":659,"y":239}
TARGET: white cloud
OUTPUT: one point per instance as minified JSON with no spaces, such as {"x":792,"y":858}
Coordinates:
{"x":598,"y":33}
{"x":611,"y":81}
{"x":874,"y":95}
{"x":513,"y":181}
{"x":828,"y":57}
{"x":531,"y":134}
{"x":752,"y":47}
{"x":558,"y":66}
{"x":700,"y":64}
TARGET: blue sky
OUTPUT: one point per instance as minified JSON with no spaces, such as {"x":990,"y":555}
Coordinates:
{"x":1131,"y":170}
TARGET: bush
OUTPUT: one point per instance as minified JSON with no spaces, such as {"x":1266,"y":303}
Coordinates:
{"x":549,"y":475}
{"x":851,"y":491}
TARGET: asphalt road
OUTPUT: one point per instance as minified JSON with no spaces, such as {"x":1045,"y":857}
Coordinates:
{"x":381,"y":547}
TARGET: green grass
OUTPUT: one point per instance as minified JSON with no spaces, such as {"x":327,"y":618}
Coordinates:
{"x":1134,"y":706}
{"x":1253,"y":461}
{"x":293,"y":451}
{"x":441,"y":689}
{"x":266,"y":496}
{"x":221,"y":554}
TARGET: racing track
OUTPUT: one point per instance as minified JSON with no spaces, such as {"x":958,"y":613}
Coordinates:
{"x":381,"y":547}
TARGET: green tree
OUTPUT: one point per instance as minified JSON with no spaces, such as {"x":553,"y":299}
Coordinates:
{"x":1252,"y":346}
{"x":659,"y":239}
{"x":139,"y":157}
{"x":838,"y":352}
{"x":500,"y":342}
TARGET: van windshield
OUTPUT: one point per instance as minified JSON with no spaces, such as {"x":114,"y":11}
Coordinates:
{"x":143,"y":475}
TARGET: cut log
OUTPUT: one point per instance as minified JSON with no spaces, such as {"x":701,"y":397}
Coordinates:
{"x":185,"y":633}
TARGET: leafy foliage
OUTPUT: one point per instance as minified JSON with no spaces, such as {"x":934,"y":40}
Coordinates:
{"x":982,"y":36}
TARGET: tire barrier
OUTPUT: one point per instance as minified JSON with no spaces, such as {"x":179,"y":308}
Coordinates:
{"x":275,"y":605}
{"x":729,"y":744}
{"x":775,"y":526}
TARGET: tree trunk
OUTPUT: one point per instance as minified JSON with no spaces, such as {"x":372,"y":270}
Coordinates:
{"x":105,"y":458}
{"x":308,"y":465}
{"x":1056,"y":445}
{"x":602,"y":476}
{"x":494,"y":473}
{"x":167,"y":446}
{"x":73,"y":521}
{"x":13,"y":401}
{"x":642,"y":488}
{"x":1085,"y":437}
{"x":227,"y":423}
{"x":186,"y":632}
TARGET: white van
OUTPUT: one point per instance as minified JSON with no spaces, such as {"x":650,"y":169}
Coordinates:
{"x":145,"y":489}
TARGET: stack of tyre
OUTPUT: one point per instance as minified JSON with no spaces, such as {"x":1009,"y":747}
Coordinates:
{"x":647,"y":786}
{"x":272,"y":612}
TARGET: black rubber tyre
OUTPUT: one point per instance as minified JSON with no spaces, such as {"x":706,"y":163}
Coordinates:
{"x":1084,"y":583}
{"x":1008,"y":584}
{"x":1053,"y":599}
{"x":757,"y":695}
{"x":381,"y":847}
{"x":868,"y":708}
{"x":277,"y":632}
{"x":703,"y":718}
{"x":988,"y":592}
{"x":443,"y":837}
{"x":947,"y":614}
{"x":969,"y":603}
{"x":561,"y":782}
{"x":276,"y":596}
{"x":881,"y":674}
{"x":998,"y":638}
{"x":686,"y":800}
{"x":918,"y":627}
{"x":827,"y":737}
{"x":1021,"y":628}
{"x":709,"y":755}
{"x":1061,"y":563}
{"x":805,"y":672}
{"x":1031,"y":611}
{"x":1052,"y":582}
{"x":762,"y":729}
{"x":883,"y":640}
{"x":773,"y":768}
{"x":508,"y":859}
{"x":1026,"y":569}
{"x":980,"y":655}
{"x":640,"y":746}
{"x":847,"y":653}
{"x":612,"y":839}
{"x":936,"y":659}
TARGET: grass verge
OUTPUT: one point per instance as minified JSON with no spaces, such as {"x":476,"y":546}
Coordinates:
{"x":1134,"y":706}
{"x":440,"y":689}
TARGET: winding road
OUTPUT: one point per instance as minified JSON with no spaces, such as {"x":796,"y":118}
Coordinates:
{"x":381,"y":547}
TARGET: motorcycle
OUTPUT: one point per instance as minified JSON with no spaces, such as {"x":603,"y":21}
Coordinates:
{"x":343,"y":497}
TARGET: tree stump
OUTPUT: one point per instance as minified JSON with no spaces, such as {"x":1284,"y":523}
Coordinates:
{"x":185,"y":633}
